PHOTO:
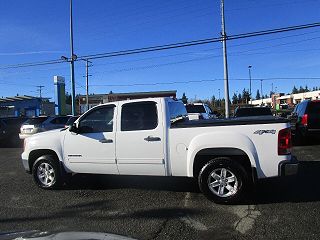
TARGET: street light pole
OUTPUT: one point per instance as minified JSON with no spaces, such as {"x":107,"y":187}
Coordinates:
{"x":225,"y":61}
{"x":261,"y":92}
{"x":219,"y":99}
{"x":73,"y":92}
{"x":249,"y":67}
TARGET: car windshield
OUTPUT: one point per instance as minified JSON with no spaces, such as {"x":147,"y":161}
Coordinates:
{"x":195,"y":108}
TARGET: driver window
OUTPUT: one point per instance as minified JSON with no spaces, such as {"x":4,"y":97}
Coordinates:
{"x":98,"y":120}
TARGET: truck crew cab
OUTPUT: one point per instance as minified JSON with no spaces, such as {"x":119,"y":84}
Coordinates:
{"x":154,"y":137}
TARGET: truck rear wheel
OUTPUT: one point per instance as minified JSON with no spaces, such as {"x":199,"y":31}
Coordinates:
{"x":46,"y":172}
{"x":223,"y":180}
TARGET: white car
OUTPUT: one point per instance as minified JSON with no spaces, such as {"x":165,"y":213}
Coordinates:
{"x":41,"y":124}
{"x":154,"y":137}
{"x":198,"y":111}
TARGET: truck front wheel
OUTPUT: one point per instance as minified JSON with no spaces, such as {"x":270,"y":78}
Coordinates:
{"x":223,"y":180}
{"x":46,"y":172}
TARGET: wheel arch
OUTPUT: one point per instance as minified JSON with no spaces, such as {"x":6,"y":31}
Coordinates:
{"x":222,"y":144}
{"x":35,"y":154}
{"x":205,"y":155}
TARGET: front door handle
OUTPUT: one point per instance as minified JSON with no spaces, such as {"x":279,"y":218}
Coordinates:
{"x":103,"y":140}
{"x":152,"y":139}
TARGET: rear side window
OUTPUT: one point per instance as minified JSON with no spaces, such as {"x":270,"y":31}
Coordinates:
{"x":139,"y":116}
{"x":302,"y":108}
{"x":314,"y":108}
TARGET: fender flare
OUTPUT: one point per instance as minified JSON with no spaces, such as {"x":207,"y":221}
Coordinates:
{"x":222,"y":139}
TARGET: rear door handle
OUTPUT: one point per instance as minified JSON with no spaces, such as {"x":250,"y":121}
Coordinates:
{"x":103,"y":140}
{"x":152,"y":139}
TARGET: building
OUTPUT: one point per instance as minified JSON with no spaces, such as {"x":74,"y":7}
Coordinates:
{"x":25,"y":106}
{"x":280,"y":100}
{"x":96,"y":99}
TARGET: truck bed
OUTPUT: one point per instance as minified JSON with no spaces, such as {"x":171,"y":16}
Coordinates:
{"x":230,"y":121}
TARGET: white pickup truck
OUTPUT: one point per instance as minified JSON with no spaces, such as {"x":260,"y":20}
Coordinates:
{"x":154,"y":137}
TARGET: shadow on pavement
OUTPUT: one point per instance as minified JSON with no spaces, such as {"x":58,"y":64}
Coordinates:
{"x":300,"y":188}
{"x":102,"y":182}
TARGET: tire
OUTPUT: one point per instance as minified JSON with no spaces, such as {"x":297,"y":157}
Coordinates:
{"x":223,"y":180}
{"x":46,"y":172}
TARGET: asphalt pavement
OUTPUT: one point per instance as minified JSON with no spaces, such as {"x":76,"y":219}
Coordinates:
{"x":160,"y":207}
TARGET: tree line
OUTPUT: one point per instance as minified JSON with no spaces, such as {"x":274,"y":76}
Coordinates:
{"x":244,"y":97}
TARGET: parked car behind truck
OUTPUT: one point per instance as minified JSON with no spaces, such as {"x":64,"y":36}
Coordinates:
{"x":305,"y":120}
{"x":198,"y":111}
{"x":41,"y":124}
{"x":252,"y":111}
{"x":9,"y":131}
{"x":154,"y":137}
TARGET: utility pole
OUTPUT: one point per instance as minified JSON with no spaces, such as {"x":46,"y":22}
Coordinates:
{"x":40,"y":90}
{"x":40,"y":95}
{"x":72,"y":59}
{"x":87,"y":82}
{"x":225,"y":62}
{"x":249,"y":67}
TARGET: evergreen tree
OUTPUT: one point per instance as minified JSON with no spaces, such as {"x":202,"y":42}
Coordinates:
{"x":294,"y":90}
{"x":184,"y":98}
{"x":240,"y":98}
{"x":213,"y":101}
{"x":301,"y":89}
{"x":245,"y":96}
{"x":234,"y":99}
{"x":258,"y":95}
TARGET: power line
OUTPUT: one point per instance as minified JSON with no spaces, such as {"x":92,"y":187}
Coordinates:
{"x":169,"y":46}
{"x":200,"y":81}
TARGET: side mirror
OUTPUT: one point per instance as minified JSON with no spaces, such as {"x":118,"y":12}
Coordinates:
{"x":73,"y":128}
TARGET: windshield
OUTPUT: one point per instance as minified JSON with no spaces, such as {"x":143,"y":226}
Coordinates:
{"x":195,"y":109}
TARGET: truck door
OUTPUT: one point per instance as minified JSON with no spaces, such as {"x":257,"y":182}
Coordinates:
{"x":92,"y":148}
{"x":140,"y":139}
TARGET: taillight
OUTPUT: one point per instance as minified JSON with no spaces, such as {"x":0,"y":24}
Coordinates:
{"x":284,"y":142}
{"x":304,"y":120}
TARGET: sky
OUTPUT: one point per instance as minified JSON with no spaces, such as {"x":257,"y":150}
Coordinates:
{"x":35,"y":30}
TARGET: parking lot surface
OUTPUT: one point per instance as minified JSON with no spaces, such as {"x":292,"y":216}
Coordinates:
{"x":161,"y":208}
